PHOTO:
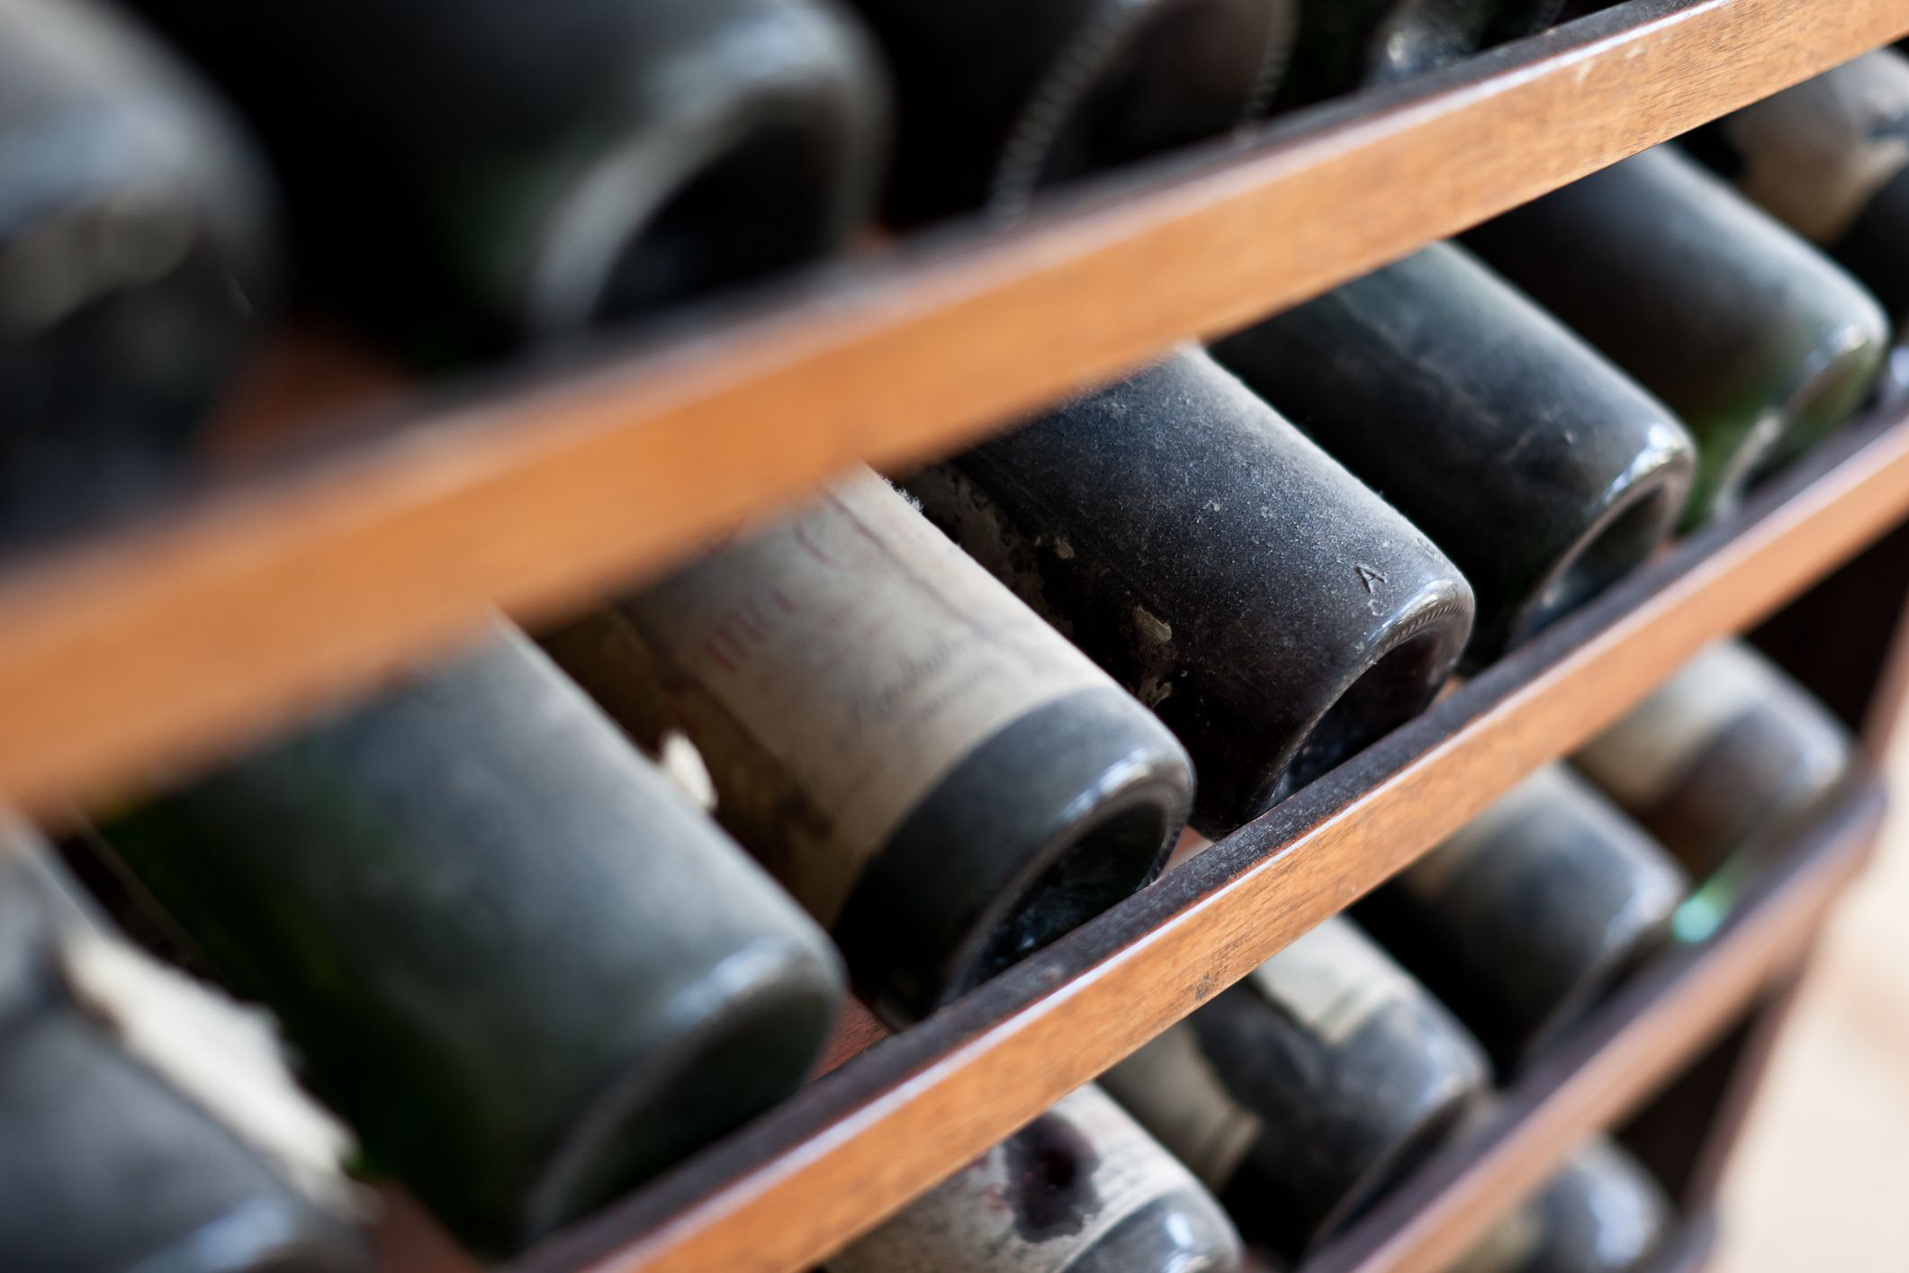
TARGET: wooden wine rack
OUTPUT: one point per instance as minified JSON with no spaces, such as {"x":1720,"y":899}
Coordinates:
{"x":167,"y":643}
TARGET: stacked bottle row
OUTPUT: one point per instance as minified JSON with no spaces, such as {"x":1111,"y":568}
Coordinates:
{"x":1299,"y":1097}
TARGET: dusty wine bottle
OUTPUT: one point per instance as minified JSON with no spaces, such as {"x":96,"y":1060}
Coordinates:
{"x":1539,"y":468}
{"x":1602,"y":1214}
{"x":1759,"y":342}
{"x":1275,"y":613}
{"x":477,"y":869}
{"x":1081,"y":1189}
{"x":999,"y":98}
{"x":145,"y":1123}
{"x":1830,"y":159}
{"x":1722,"y":761}
{"x":1300,"y":1095}
{"x":524,"y":172}
{"x":135,"y":249}
{"x":935,"y":773}
{"x":1344,"y":44}
{"x":1529,"y":914}
{"x":1515,"y":19}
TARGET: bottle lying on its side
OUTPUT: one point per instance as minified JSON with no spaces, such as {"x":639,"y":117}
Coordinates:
{"x":1602,"y":1214}
{"x":1533,"y":911}
{"x":473,"y":873}
{"x":1300,"y":1095}
{"x":1275,"y":613}
{"x":1756,"y":339}
{"x":1539,"y":468}
{"x":1081,"y":1189}
{"x":145,"y":1121}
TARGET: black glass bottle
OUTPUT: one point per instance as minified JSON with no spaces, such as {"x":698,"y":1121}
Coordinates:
{"x":1343,"y":44}
{"x":1830,"y":159}
{"x":1530,"y":913}
{"x":1301,"y":1094}
{"x":1081,"y":1189}
{"x":1274,"y":612}
{"x":135,"y":255}
{"x":1539,"y":468}
{"x":144,"y":1122}
{"x":1758,"y":341}
{"x":526,"y":969}
{"x":461,"y":181}
{"x":934,"y":772}
{"x":1602,"y":1214}
{"x":999,"y":98}
{"x":1515,"y":19}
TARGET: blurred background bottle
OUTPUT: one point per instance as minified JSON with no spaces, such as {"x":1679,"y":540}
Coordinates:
{"x":1275,"y":613}
{"x":526,"y":969}
{"x":1602,"y":1214}
{"x":1539,"y":468}
{"x":937,"y":775}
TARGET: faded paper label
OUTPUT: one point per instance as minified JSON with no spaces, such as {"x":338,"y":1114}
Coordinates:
{"x":832,"y":669}
{"x":1815,"y":156}
{"x":1642,"y":758}
{"x":1175,"y":1093}
{"x":1333,"y":980}
{"x":1032,"y":1204}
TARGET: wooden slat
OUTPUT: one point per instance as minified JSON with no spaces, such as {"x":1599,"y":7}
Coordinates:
{"x":165,"y":645}
{"x":866,"y":1139}
{"x":1654,"y":1027}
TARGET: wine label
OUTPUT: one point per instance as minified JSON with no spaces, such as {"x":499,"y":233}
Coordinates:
{"x":831,"y":669}
{"x":1035,"y":1203}
{"x":1815,"y":156}
{"x":1176,"y":1094}
{"x":1642,"y":758}
{"x":1332,"y":981}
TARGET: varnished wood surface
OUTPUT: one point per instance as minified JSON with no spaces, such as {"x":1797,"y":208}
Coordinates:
{"x":157,"y":648}
{"x":870,"y":1136}
{"x":1647,"y":1032}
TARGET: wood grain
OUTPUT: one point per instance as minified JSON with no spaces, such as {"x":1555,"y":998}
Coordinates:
{"x":161,"y":646}
{"x":1617,"y":1058}
{"x":869,"y":1137}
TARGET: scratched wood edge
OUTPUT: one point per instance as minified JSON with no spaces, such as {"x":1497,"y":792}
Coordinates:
{"x":863,"y":1141}
{"x":195,"y":635}
{"x":1650,"y":1031}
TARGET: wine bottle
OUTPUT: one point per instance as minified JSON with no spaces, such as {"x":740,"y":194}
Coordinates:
{"x":1081,"y":1189}
{"x":1756,"y":339}
{"x":1276,"y":614}
{"x":526,"y":969}
{"x":935,"y":774}
{"x":999,"y":98}
{"x":1602,"y":1214}
{"x":1830,"y":159}
{"x":1722,"y":761}
{"x":144,"y":1121}
{"x":1530,"y":913}
{"x":1300,"y":1095}
{"x":1540,"y":469}
{"x":1515,"y":19}
{"x":135,"y":256}
{"x":1345,"y":44}
{"x":462,"y":182}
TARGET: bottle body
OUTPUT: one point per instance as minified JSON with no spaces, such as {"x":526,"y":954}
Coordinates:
{"x":1345,"y":44}
{"x":543,"y":171}
{"x":1000,"y":98}
{"x":108,"y":1160}
{"x":1530,"y":913}
{"x":1276,"y":614}
{"x":1757,"y":341}
{"x":135,"y":253}
{"x":478,"y":867}
{"x":937,"y":775}
{"x":1301,"y":1094}
{"x":1539,"y":468}
{"x":1081,"y":1189}
{"x":1602,"y":1214}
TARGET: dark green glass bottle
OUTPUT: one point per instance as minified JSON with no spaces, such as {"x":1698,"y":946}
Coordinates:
{"x":135,"y":260}
{"x":525,"y":968}
{"x":1757,"y":340}
{"x":465,"y":179}
{"x":1602,"y":1214}
{"x":1344,"y":44}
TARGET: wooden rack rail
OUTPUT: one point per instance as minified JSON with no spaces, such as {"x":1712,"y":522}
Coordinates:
{"x":158,"y":647}
{"x":864,"y":1140}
